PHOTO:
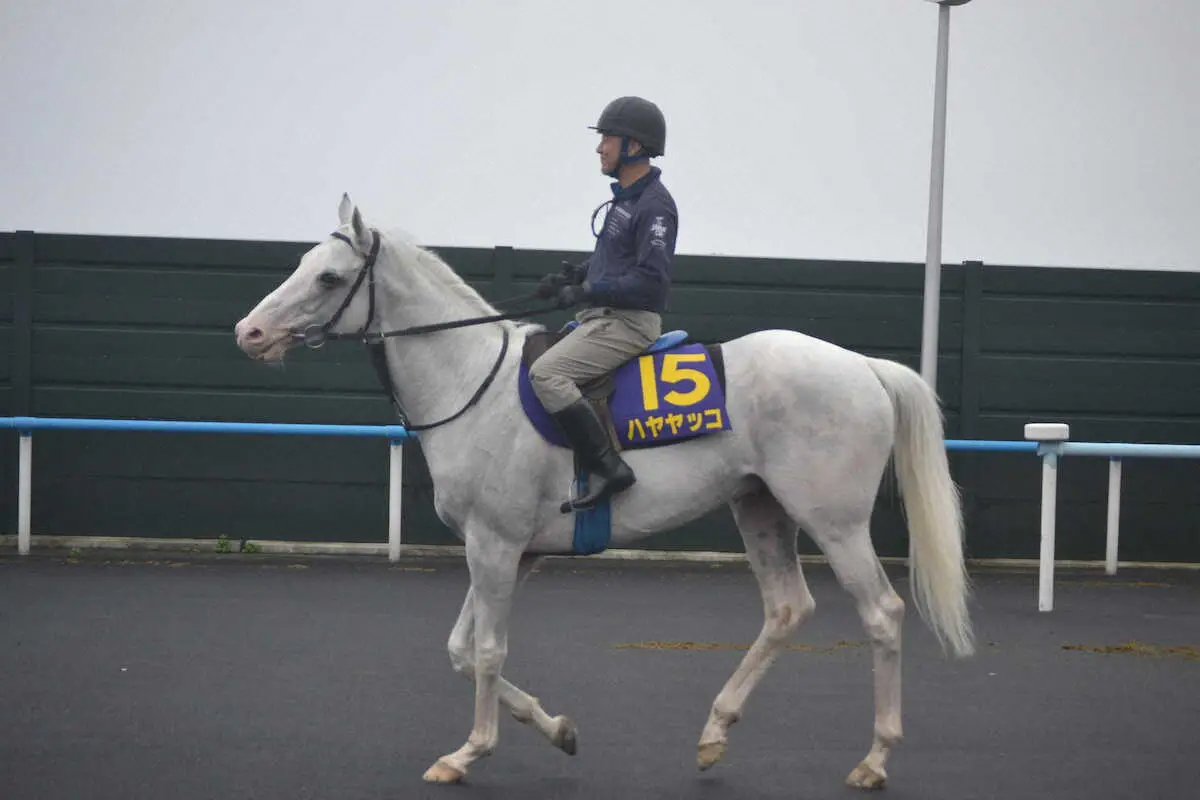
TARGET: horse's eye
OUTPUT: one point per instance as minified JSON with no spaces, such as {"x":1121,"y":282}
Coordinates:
{"x":331,"y":279}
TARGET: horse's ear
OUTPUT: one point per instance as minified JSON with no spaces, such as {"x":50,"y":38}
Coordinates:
{"x":345,"y":208}
{"x":362,"y":236}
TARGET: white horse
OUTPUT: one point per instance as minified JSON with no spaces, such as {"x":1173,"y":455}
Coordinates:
{"x":814,"y":426}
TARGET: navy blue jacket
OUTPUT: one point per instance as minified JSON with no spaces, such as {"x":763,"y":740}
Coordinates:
{"x":630,"y":267}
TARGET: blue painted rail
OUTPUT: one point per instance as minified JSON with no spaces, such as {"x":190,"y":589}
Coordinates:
{"x":22,"y":424}
{"x":1127,"y":450}
{"x":991,"y":446}
{"x":25,"y":426}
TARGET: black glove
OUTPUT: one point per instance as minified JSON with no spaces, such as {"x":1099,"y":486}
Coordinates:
{"x":574,"y":273}
{"x":549,"y":285}
{"x":571,"y":295}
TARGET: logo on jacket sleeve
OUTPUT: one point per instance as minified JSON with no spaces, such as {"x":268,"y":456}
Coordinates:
{"x":658,"y":228}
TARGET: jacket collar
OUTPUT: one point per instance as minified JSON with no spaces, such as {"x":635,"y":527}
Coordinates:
{"x":635,"y":189}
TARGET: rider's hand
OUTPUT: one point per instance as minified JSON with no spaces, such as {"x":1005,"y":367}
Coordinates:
{"x":571,"y":295}
{"x":573,"y":273}
{"x":549,"y":285}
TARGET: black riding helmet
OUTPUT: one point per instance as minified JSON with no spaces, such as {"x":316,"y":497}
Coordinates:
{"x":635,"y":118}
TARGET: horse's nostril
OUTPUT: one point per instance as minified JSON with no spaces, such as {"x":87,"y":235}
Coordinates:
{"x":254,"y":334}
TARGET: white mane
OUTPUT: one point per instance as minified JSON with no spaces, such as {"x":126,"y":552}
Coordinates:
{"x":434,"y":265}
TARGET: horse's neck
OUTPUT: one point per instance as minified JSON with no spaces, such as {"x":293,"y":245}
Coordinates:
{"x":436,"y":374}
{"x":435,"y":377}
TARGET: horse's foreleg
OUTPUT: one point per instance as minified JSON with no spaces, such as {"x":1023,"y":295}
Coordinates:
{"x":493,"y":567}
{"x":770,"y":538}
{"x":560,"y":730}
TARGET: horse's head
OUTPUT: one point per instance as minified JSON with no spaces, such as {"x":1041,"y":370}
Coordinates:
{"x":330,"y":291}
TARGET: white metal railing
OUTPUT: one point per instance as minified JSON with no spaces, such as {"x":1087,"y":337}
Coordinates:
{"x":1050,"y":441}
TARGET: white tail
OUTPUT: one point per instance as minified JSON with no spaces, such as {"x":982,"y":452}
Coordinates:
{"x":937,"y":571}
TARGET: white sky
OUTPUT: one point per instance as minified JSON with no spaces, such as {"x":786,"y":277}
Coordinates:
{"x":796,"y":128}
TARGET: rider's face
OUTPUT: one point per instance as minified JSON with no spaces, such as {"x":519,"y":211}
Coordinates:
{"x":609,"y":149}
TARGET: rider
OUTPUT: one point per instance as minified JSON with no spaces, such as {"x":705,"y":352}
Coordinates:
{"x":622,"y":288}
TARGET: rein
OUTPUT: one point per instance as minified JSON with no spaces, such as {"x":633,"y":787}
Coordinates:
{"x":314,"y":336}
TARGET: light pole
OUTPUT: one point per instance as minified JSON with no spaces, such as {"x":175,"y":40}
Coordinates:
{"x":933,"y":236}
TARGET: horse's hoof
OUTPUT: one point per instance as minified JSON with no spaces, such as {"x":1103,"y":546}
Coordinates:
{"x":709,"y":754}
{"x":441,"y":772}
{"x":864,"y":777}
{"x":566,"y":738}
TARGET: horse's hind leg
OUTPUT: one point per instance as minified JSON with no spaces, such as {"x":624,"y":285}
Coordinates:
{"x":770,"y":537}
{"x":853,"y":559}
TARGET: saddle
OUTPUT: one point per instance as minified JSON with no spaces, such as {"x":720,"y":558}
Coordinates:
{"x":640,"y":401}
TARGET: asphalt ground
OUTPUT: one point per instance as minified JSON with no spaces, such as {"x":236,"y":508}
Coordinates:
{"x":178,"y":676}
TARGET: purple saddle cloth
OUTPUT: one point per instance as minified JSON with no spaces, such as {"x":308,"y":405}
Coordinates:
{"x":672,"y":392}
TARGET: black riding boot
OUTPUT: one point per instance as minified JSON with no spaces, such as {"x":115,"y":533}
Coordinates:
{"x":607,"y":472}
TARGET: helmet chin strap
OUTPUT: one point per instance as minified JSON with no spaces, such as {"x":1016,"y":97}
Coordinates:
{"x":625,"y":158}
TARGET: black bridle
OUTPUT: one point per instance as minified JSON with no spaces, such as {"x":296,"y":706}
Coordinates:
{"x":315,"y":336}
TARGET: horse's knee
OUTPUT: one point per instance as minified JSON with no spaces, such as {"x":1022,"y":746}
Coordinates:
{"x":489,"y":659}
{"x":462,"y":659}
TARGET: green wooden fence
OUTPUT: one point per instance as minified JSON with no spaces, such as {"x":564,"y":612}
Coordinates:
{"x":142,"y":327}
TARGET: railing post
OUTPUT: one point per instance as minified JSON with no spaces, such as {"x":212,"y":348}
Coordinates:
{"x":25,"y":492}
{"x":1050,"y":437}
{"x":395,"y":486}
{"x":21,"y":369}
{"x":1114,"y":515}
{"x":1049,"y":514}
